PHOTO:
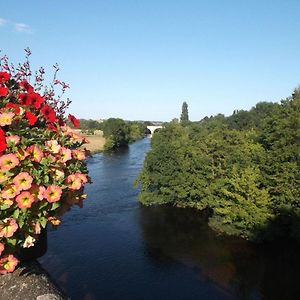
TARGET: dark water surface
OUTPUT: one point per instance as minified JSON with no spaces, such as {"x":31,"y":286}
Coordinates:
{"x":114,"y":248}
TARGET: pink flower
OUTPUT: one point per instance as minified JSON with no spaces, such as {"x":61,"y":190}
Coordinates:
{"x":53,"y":193}
{"x":58,"y":174}
{"x":53,"y":146}
{"x":8,"y":264}
{"x":21,"y":154}
{"x":13,"y":139}
{"x":42,"y":190}
{"x":78,"y":154}
{"x":35,"y":152}
{"x":8,"y":227}
{"x":23,"y":181}
{"x":6,"y":118}
{"x":29,"y":241}
{"x":10,"y":191}
{"x":25,"y":200}
{"x":65,"y":154}
{"x":82,"y":177}
{"x":3,"y":177}
{"x":74,"y":182}
{"x":1,"y":248}
{"x":8,"y":162}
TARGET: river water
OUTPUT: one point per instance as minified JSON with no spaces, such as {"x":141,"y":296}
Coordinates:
{"x":114,"y":248}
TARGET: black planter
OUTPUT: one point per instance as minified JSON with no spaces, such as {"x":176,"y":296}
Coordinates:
{"x":38,"y":250}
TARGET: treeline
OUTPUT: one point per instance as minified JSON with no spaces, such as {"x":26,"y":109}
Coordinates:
{"x":244,"y":170}
{"x":119,"y":133}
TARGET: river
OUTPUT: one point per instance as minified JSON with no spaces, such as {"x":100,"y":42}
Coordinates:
{"x":114,"y":248}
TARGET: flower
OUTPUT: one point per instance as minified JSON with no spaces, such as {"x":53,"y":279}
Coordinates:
{"x":74,"y":182}
{"x":25,"y":200}
{"x":48,"y":113}
{"x":10,"y":191}
{"x":6,"y":202}
{"x":29,"y":241}
{"x":42,"y":190}
{"x":58,"y":174}
{"x":6,"y":118}
{"x":3,"y":177}
{"x":8,"y":227}
{"x":42,"y":169}
{"x":53,"y":193}
{"x":31,"y":118}
{"x":3,"y":144}
{"x":36,"y":100}
{"x":36,"y":154}
{"x":4,"y":76}
{"x":82,"y":177}
{"x":53,"y":146}
{"x":65,"y":154}
{"x":8,"y":264}
{"x":54,"y":221}
{"x":3,"y":91}
{"x":14,"y":107}
{"x":21,"y":154}
{"x":24,"y":99}
{"x":24,"y":84}
{"x":8,"y":161}
{"x":23,"y":181}
{"x":74,"y":121}
{"x":1,"y":248}
{"x":78,"y":154}
{"x":13,"y":140}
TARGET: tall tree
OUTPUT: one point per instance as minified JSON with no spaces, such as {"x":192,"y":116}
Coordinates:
{"x":184,"y":118}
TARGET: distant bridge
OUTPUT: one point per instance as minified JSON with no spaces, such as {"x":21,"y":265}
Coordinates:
{"x":153,"y":128}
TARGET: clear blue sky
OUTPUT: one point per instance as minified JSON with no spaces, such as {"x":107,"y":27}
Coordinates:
{"x":141,"y":59}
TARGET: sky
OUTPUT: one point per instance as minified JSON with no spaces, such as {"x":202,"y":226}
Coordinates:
{"x":140,"y":59}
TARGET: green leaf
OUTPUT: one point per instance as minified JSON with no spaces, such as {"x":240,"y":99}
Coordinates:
{"x":55,"y":205}
{"x":16,"y":213}
{"x":43,"y":221}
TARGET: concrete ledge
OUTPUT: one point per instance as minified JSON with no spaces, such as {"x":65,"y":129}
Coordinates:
{"x":29,"y":282}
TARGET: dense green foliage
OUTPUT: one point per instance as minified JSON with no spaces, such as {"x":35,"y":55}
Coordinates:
{"x":89,"y":126}
{"x":244,"y":169}
{"x":184,"y":117}
{"x":119,"y":133}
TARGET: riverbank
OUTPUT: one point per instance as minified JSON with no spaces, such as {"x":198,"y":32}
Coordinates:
{"x":96,"y":142}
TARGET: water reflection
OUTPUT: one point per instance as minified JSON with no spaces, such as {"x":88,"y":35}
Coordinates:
{"x":115,"y":248}
{"x":248,"y":271}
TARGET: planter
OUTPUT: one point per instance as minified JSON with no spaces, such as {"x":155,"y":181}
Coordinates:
{"x":38,"y":250}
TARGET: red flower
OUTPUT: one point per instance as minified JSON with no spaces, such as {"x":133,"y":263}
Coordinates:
{"x":3,"y":144}
{"x":74,"y":121}
{"x":36,"y":100}
{"x":31,"y":118}
{"x":3,"y":91}
{"x":25,"y":99}
{"x":26,"y":86}
{"x":48,"y":113}
{"x":52,"y":127}
{"x":4,"y":76}
{"x":15,"y":107}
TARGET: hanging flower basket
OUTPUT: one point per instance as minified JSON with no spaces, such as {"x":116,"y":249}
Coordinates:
{"x":42,"y":166}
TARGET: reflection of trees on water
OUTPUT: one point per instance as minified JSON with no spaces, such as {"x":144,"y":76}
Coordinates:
{"x":248,"y":271}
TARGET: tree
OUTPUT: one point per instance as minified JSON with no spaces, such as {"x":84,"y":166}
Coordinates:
{"x":116,"y":132}
{"x":184,"y":118}
{"x":244,"y":169}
